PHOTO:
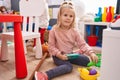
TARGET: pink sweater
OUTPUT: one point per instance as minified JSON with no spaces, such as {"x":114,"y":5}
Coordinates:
{"x":63,"y":41}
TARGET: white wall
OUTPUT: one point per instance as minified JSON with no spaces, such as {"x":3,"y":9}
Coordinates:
{"x":92,"y":5}
{"x":1,"y":2}
{"x":7,"y":3}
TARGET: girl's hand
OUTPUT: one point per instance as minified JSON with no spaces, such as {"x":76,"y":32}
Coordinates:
{"x":93,"y":57}
{"x":62,"y":56}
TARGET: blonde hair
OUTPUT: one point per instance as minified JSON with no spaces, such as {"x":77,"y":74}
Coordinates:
{"x":66,"y":4}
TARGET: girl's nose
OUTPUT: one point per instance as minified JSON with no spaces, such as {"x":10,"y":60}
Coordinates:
{"x":68,"y":17}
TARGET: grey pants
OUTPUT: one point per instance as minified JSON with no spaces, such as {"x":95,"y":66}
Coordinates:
{"x":64,"y":67}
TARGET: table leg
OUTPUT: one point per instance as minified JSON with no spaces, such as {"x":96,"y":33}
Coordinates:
{"x":20,"y":62}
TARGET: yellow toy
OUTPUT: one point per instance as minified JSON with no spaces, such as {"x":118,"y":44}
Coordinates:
{"x":85,"y":75}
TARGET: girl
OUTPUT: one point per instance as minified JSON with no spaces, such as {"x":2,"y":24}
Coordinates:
{"x":62,"y":39}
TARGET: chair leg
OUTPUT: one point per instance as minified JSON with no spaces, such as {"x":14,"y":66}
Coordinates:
{"x":4,"y":49}
{"x":38,"y":49}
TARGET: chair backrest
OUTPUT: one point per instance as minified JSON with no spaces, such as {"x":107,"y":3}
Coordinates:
{"x":31,"y":9}
{"x":30,"y":24}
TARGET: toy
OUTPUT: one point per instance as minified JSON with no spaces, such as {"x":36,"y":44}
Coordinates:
{"x":45,"y":48}
{"x":98,"y":64}
{"x":104,"y":14}
{"x":109,"y":14}
{"x":92,"y":40}
{"x":85,"y":71}
{"x":49,"y":27}
{"x":92,"y":71}
{"x":3,"y":10}
{"x":46,"y":33}
{"x":88,"y":74}
{"x":46,"y":36}
{"x":72,"y":56}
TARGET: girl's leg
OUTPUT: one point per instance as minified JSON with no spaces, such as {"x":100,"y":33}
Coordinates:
{"x":82,"y":60}
{"x":62,"y":68}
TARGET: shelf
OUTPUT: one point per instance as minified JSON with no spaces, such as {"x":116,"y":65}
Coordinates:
{"x":102,"y":25}
{"x":97,"y":23}
{"x":83,"y":24}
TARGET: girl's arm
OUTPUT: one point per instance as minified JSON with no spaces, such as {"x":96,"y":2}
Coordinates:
{"x":85,"y":48}
{"x":52,"y":44}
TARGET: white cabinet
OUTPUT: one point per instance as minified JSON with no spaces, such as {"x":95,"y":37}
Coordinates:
{"x":110,"y":66}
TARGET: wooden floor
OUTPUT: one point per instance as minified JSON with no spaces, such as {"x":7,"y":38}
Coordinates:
{"x":7,"y":69}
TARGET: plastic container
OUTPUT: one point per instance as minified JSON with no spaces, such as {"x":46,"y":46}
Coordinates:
{"x":88,"y":76}
{"x":92,"y":40}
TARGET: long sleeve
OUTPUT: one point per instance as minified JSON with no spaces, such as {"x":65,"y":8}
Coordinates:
{"x":52,"y":48}
{"x":83,"y":46}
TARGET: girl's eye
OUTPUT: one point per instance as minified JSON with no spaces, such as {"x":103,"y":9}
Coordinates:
{"x":65,"y":14}
{"x":71,"y":16}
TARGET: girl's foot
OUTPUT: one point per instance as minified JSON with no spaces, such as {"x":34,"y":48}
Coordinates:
{"x":40,"y":76}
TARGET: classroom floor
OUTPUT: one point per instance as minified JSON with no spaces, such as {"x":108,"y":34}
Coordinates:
{"x":7,"y":69}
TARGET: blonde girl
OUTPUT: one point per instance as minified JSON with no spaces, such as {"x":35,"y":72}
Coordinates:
{"x":62,"y":39}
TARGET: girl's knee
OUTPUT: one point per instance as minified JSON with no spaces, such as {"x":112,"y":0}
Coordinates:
{"x":86,"y":61}
{"x":69,"y":67}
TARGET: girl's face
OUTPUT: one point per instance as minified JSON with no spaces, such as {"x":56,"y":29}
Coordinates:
{"x":67,"y":17}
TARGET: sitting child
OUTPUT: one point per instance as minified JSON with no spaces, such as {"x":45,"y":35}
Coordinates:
{"x":62,"y":38}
